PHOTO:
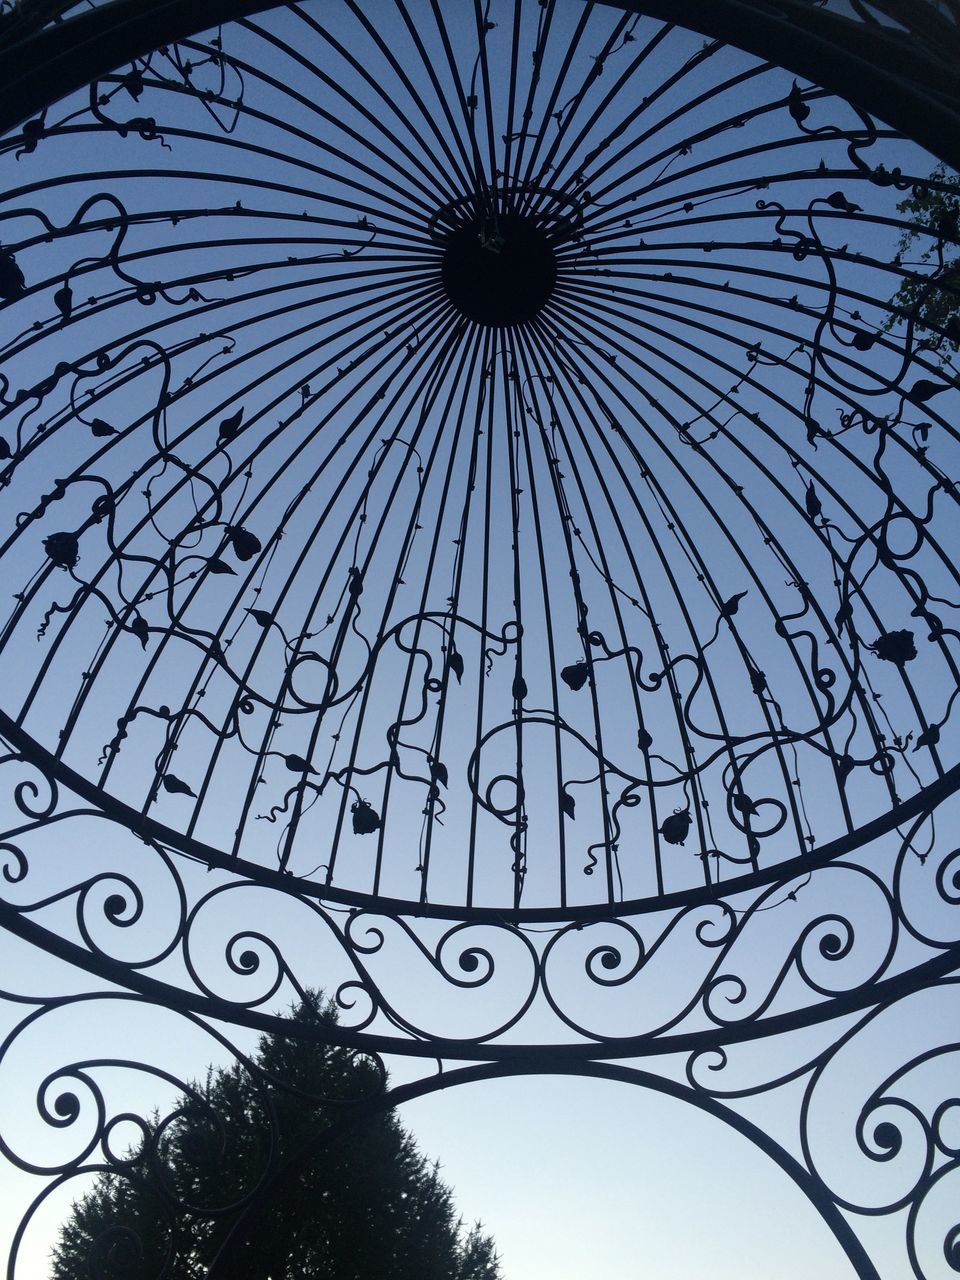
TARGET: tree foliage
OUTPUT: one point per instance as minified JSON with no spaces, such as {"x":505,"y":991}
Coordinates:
{"x":367,"y":1205}
{"x":932,"y":294}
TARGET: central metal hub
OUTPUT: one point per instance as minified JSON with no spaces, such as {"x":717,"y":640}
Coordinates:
{"x":499,"y":272}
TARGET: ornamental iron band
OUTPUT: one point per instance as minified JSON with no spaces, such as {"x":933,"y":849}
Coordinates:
{"x":481,"y":528}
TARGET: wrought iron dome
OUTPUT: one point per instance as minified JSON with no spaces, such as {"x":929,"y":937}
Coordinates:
{"x":450,"y":504}
{"x":480,"y":518}
{"x":444,"y":478}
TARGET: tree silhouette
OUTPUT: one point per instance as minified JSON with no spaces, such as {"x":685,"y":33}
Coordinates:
{"x":932,"y":296}
{"x":366,"y":1205}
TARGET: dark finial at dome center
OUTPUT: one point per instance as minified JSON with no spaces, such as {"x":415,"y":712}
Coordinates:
{"x":499,"y":272}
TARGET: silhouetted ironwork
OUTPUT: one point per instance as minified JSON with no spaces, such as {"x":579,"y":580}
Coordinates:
{"x":475,"y":531}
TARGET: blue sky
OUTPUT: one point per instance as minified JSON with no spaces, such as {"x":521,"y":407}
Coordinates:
{"x":575,"y":1178}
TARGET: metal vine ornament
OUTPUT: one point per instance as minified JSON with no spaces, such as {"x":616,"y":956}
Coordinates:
{"x":479,"y":537}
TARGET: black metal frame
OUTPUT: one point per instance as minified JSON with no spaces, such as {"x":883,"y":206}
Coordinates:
{"x":871,"y":932}
{"x":897,"y":60}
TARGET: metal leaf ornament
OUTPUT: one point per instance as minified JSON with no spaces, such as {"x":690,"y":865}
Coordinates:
{"x":731,"y":606}
{"x":576,"y":675}
{"x":839,"y":201}
{"x":176,"y":786}
{"x":141,"y":630}
{"x":11,"y":277}
{"x":438,"y":772}
{"x":845,"y":766}
{"x":297,"y":764}
{"x":366,"y":820}
{"x":929,"y":738}
{"x":133,"y":83}
{"x":676,"y":828}
{"x":245,"y":544}
{"x":924,"y":389}
{"x":63,"y":549}
{"x":63,"y":299}
{"x":796,"y":105}
{"x":897,"y":647}
{"x":230,"y":427}
{"x":33,"y":131}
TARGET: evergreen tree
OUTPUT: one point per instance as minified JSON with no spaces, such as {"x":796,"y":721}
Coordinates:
{"x":368,"y":1206}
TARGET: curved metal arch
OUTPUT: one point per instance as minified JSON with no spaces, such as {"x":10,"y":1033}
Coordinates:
{"x":868,"y":997}
{"x":883,"y":1122}
{"x":342,"y":1117}
{"x":897,"y":62}
{"x":231,"y":1250}
{"x":921,"y":805}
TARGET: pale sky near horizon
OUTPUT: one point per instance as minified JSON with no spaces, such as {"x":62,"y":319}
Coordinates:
{"x":595,"y":1180}
{"x":581,"y":1179}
